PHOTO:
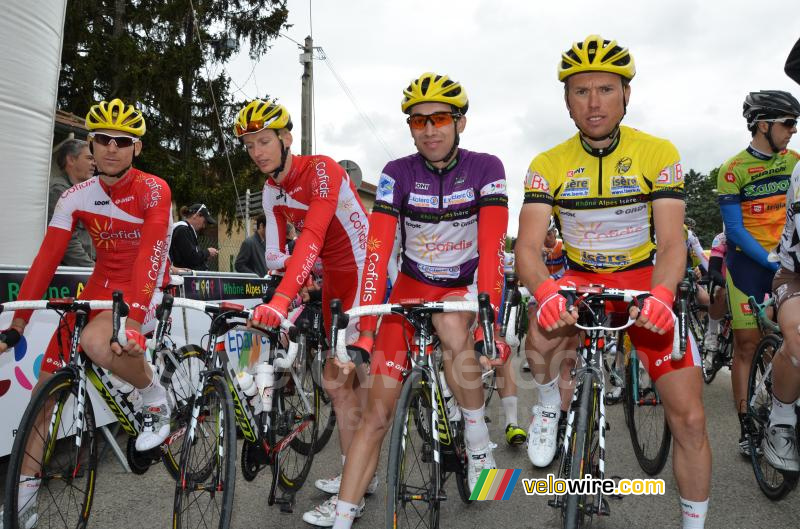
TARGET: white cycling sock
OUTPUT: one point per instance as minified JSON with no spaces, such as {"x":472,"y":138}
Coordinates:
{"x":154,"y":392}
{"x":510,"y":408}
{"x":28,"y":488}
{"x":713,"y":326}
{"x":549,"y":394}
{"x":345,"y":514}
{"x":476,"y":433}
{"x":694,"y":514}
{"x":782,"y":413}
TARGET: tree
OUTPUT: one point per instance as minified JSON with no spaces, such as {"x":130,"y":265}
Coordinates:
{"x":701,"y":205}
{"x":154,"y":53}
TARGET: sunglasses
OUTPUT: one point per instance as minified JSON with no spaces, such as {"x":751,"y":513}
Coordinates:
{"x":122,"y":142}
{"x":789,"y":123}
{"x":438,"y":119}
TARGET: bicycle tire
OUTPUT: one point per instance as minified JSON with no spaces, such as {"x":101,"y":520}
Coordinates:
{"x":181,"y":387}
{"x":651,"y":450}
{"x":296,"y":459}
{"x":67,"y":477}
{"x":407,"y":441}
{"x":772,"y":482}
{"x":213,"y":437}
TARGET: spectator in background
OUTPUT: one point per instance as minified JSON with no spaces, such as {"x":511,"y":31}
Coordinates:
{"x":184,"y":251}
{"x":76,"y":165}
{"x":251,"y":254}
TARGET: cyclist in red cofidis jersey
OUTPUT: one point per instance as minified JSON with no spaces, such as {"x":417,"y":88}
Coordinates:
{"x":128,"y":215}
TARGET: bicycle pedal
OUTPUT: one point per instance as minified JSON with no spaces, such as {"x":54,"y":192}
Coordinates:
{"x":603,"y":510}
{"x":286,"y":503}
{"x":555,"y":503}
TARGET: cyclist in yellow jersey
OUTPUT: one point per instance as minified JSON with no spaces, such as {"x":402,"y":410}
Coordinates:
{"x":752,"y":197}
{"x":614,"y":190}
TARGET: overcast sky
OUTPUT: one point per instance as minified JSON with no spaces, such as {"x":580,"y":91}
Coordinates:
{"x":695,"y":63}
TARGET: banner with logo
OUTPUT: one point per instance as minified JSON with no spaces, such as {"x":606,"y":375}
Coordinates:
{"x":20,"y":367}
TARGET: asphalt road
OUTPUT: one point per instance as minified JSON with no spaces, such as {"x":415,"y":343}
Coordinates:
{"x":127,"y":501}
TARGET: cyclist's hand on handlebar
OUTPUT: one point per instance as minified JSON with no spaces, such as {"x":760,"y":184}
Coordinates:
{"x":359,"y":352}
{"x":136,"y":342}
{"x":11,"y":336}
{"x":271,"y":314}
{"x":553,"y":312}
{"x":656,"y":314}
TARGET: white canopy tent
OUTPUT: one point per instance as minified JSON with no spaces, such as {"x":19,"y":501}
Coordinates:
{"x":30,"y":39}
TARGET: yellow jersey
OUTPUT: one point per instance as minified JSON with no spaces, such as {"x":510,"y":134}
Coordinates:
{"x":603,"y":197}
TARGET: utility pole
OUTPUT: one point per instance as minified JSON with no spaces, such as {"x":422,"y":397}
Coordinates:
{"x":307,"y":99}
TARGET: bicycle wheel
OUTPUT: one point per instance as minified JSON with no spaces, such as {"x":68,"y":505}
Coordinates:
{"x":205,"y":487}
{"x":773,"y":483}
{"x":647,"y":422}
{"x":575,"y":512}
{"x":326,"y":418}
{"x":181,"y":384}
{"x":51,"y":446}
{"x":414,"y":472}
{"x":294,"y":416}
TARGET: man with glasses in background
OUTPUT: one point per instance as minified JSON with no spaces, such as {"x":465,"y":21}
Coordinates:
{"x":752,"y":189}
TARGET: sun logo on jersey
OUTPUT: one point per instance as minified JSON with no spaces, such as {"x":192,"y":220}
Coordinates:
{"x":373,"y":244}
{"x":428,"y":247}
{"x":149,"y":288}
{"x":100,"y":234}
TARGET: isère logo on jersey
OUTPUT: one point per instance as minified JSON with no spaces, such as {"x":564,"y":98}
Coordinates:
{"x":385,"y":191}
{"x":536,"y":182}
{"x":577,"y":187}
{"x":605,"y":260}
{"x":624,"y":185}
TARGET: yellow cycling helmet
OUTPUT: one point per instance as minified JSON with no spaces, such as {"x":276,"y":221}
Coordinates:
{"x":116,"y":115}
{"x":434,"y":88}
{"x":259,"y":115}
{"x":596,"y":54}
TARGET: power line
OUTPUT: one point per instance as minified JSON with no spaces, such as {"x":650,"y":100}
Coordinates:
{"x":216,"y":109}
{"x":352,"y":99}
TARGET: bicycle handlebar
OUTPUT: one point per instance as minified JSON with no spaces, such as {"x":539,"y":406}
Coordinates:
{"x":340,"y":319}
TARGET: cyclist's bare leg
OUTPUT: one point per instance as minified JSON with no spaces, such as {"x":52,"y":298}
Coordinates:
{"x":682,"y":395}
{"x":786,"y":364}
{"x":462,"y":370}
{"x":95,"y":340}
{"x":551,"y":354}
{"x":345,"y":400}
{"x":31,"y":464}
{"x":506,"y":379}
{"x":744,"y":347}
{"x":365,"y":447}
{"x":719,"y":305}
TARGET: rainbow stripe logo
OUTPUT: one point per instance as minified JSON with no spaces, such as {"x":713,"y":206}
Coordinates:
{"x":495,"y":484}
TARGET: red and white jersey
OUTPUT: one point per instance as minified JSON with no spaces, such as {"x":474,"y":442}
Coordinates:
{"x":129,"y":223}
{"x":319,"y":199}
